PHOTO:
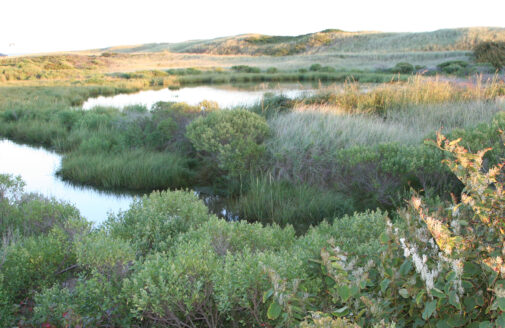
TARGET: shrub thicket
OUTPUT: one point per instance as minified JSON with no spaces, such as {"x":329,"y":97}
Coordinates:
{"x":403,"y":68}
{"x":490,"y":52}
{"x":233,"y":140}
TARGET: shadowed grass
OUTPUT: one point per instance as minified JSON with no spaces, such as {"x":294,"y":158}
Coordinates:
{"x":281,"y":202}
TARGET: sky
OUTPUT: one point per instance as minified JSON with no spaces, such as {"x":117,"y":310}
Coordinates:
{"x":34,"y":26}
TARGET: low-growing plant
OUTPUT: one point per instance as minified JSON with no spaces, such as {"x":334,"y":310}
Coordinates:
{"x":458,"y":67}
{"x":492,"y":52}
{"x":246,"y":69}
{"x":403,"y":68}
{"x":152,"y":223}
{"x":272,"y":70}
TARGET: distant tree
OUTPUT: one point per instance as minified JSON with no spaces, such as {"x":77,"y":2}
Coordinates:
{"x":491,"y":52}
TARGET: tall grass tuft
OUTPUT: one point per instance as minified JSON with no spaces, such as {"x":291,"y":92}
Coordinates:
{"x":281,"y":202}
{"x":133,"y":170}
{"x":418,"y":90}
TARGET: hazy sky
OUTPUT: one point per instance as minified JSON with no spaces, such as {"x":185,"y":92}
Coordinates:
{"x":53,"y":25}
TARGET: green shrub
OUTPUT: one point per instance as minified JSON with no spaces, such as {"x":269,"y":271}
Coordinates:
{"x":93,"y":301}
{"x":357,"y":235}
{"x":454,"y":67}
{"x":176,"y":290}
{"x":233,"y":237}
{"x":32,"y":214}
{"x":315,"y":67}
{"x":404,"y":68}
{"x":231,"y":140}
{"x":272,"y":70}
{"x":245,"y":69}
{"x":33,"y":263}
{"x":216,"y":275}
{"x":104,"y":254}
{"x":485,"y":136}
{"x":272,"y":105}
{"x":490,"y":52}
{"x":152,"y":223}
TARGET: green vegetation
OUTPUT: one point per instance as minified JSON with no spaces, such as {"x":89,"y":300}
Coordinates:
{"x":167,"y":261}
{"x":404,"y":68}
{"x":309,"y":145}
{"x":319,"y":233}
{"x":230,"y":140}
{"x":492,"y":53}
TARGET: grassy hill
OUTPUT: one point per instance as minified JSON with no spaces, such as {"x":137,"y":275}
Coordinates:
{"x":336,"y":49}
{"x":328,"y":41}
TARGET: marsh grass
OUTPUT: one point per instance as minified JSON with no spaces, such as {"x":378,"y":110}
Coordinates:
{"x":270,"y":201}
{"x":288,"y":76}
{"x":133,"y":170}
{"x":418,"y":90}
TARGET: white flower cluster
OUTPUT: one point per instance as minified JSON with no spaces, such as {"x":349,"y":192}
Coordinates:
{"x":420,"y":263}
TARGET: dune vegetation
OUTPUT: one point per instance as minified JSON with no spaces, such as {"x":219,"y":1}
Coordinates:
{"x":375,"y":201}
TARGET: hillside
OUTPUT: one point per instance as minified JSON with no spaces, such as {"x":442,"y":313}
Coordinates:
{"x":328,"y":41}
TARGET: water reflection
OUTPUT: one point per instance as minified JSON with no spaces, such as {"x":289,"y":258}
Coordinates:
{"x":37,"y":167}
{"x":225,"y":95}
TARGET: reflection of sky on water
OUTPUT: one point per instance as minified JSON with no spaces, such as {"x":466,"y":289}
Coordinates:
{"x":37,"y":168}
{"x":225,"y":97}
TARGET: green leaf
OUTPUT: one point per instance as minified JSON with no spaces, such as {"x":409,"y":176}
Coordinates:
{"x":344,"y":292}
{"x":429,"y":309}
{"x":450,"y":276}
{"x":456,"y":321}
{"x":405,"y":267}
{"x":437,"y":293}
{"x":500,"y":321}
{"x":341,"y":312}
{"x":485,"y":324}
{"x":354,"y":290}
{"x":443,"y":324}
{"x":471,"y":269}
{"x":453,"y":300}
{"x":384,"y":238}
{"x":501,"y":303}
{"x":274,"y":310}
{"x":419,"y":297}
{"x":385,"y":284}
{"x":267,"y":294}
{"x":404,"y":293}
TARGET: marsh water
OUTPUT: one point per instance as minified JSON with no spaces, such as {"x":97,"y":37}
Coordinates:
{"x":38,"y":166}
{"x":226,"y":96}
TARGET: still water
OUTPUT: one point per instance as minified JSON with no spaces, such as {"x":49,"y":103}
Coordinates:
{"x":226,"y":96}
{"x":37,"y":167}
